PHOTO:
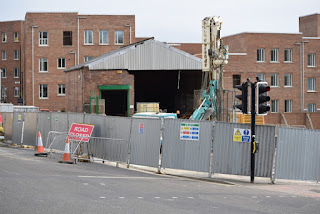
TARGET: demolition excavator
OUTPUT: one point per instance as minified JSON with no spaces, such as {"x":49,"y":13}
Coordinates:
{"x":214,"y":57}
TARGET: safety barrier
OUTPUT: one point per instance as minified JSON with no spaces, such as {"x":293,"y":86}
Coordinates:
{"x":211,"y":147}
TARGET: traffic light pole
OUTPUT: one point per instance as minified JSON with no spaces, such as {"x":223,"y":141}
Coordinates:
{"x":253,"y":126}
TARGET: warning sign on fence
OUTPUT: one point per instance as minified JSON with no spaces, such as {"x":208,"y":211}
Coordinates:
{"x":84,"y":132}
{"x":241,"y":135}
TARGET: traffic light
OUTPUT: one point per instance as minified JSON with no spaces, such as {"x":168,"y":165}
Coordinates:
{"x":262,"y":98}
{"x":243,"y":97}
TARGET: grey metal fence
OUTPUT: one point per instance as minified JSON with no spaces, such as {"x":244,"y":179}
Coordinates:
{"x":30,"y":128}
{"x":298,"y":154}
{"x":231,"y":157}
{"x":7,"y":120}
{"x":186,"y":150}
{"x":145,"y":142}
{"x":18,"y":118}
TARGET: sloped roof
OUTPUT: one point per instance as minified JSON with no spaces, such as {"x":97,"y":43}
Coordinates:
{"x":144,"y":55}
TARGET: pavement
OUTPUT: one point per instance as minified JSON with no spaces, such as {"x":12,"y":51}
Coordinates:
{"x":293,"y":187}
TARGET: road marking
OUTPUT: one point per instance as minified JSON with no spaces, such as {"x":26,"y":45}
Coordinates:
{"x":121,"y":197}
{"x":191,"y":197}
{"x":140,"y":197}
{"x":85,"y":184}
{"x":103,"y":184}
{"x":157,"y":197}
{"x":267,"y":196}
{"x":174,"y":197}
{"x":102,"y":197}
{"x":111,"y":177}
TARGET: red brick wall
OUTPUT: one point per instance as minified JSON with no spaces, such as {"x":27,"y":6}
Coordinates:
{"x":310,"y":25}
{"x":10,"y":82}
{"x":91,"y":81}
{"x":294,"y":119}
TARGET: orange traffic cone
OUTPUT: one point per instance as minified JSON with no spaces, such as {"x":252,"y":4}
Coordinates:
{"x":40,"y":151}
{"x":66,"y":154}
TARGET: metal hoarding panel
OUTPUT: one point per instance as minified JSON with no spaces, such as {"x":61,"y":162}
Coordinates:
{"x":145,"y":141}
{"x":18,"y":118}
{"x":186,"y":154}
{"x":44,"y":126}
{"x":30,"y":128}
{"x":75,"y":118}
{"x":59,"y":122}
{"x":298,"y":154}
{"x":7,"y":120}
{"x":231,"y":157}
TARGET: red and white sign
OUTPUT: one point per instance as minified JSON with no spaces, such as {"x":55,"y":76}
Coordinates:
{"x":0,"y":118}
{"x":84,"y":131}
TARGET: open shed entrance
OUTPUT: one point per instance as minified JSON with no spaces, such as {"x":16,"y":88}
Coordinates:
{"x":116,"y":99}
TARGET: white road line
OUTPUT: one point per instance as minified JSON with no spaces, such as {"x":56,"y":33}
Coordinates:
{"x":267,"y":196}
{"x":102,"y":197}
{"x":103,"y":184}
{"x":157,"y":197}
{"x":111,"y":177}
{"x":174,"y":197}
{"x":191,"y":197}
{"x":121,"y":197}
{"x":140,"y":197}
{"x":85,"y":184}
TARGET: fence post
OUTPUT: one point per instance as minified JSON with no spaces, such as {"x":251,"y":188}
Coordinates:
{"x":129,"y":145}
{"x":273,"y":173}
{"x":210,"y":174}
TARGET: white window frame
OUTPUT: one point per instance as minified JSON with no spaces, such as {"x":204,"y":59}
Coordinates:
{"x":312,"y":107}
{"x":16,"y":72}
{"x":42,"y":65}
{"x":4,"y":73}
{"x":43,"y":41}
{"x":102,"y":37}
{"x":117,"y":38}
{"x":311,"y":60}
{"x":262,"y":75}
{"x":274,"y":81}
{"x":16,"y":91}
{"x":289,"y":84}
{"x":16,"y":55}
{"x":16,"y":37}
{"x":61,"y":90}
{"x":274,"y":106}
{"x":288,"y":106}
{"x":260,"y":55}
{"x":4,"y":55}
{"x":87,"y":34}
{"x":60,"y":63}
{"x":274,"y":55}
{"x":41,"y":91}
{"x":4,"y":37}
{"x":311,"y":84}
{"x":288,"y":55}
{"x":87,"y":58}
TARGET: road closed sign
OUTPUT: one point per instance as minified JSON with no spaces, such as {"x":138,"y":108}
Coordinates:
{"x":80,"y":132}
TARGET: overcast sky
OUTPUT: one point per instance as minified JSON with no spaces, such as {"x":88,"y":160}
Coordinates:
{"x":180,"y":20}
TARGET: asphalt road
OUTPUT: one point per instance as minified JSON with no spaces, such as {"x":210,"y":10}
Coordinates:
{"x":30,"y":184}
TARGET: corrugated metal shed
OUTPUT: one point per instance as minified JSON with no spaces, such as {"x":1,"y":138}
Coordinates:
{"x":144,"y":55}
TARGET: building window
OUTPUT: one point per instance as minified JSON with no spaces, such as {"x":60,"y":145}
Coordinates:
{"x":87,"y":58}
{"x":43,"y":38}
{"x":4,"y":73}
{"x":311,"y":107}
{"x":274,"y":80}
{"x":88,"y":37}
{"x":236,"y":79}
{"x":104,"y":37}
{"x":4,"y":37}
{"x":274,"y":55}
{"x":16,"y":55}
{"x":4,"y":94}
{"x":4,"y":55}
{"x":311,"y":60}
{"x":61,"y":90}
{"x":311,"y":84}
{"x":288,"y":80}
{"x":67,"y":37}
{"x":260,"y":55}
{"x":16,"y":92}
{"x":261,"y":76}
{"x":43,"y":91}
{"x":274,"y":106}
{"x":61,"y":63}
{"x":288,"y":106}
{"x":16,"y":72}
{"x":16,"y":36}
{"x":288,"y":55}
{"x":119,"y":37}
{"x":43,"y":65}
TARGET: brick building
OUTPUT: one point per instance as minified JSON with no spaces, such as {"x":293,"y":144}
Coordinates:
{"x":289,"y":62}
{"x":37,"y":50}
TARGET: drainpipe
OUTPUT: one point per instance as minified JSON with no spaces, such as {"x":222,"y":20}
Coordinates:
{"x":128,"y":25}
{"x":79,"y":38}
{"x":32,"y":27}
